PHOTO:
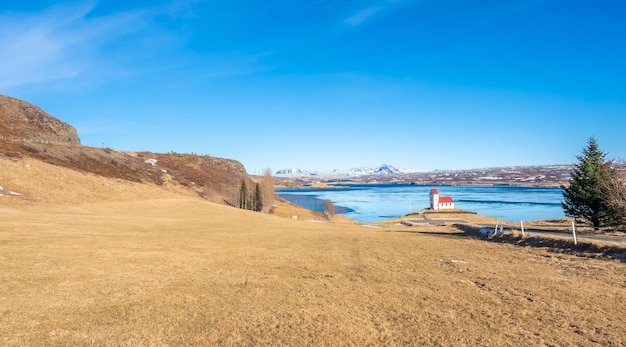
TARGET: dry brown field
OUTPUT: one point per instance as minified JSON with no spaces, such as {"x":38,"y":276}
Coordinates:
{"x":86,"y":260}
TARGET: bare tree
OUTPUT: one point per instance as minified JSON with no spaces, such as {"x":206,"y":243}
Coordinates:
{"x":267,"y":191}
{"x":329,"y":209}
{"x":613,"y":192}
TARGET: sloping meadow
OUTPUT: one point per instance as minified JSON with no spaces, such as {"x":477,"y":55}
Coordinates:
{"x":176,"y":270}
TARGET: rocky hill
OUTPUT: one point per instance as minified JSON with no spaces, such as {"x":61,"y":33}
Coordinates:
{"x":22,"y":120}
{"x":27,"y":132}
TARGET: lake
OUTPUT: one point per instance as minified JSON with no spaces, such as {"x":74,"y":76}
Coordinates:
{"x":370,"y":203}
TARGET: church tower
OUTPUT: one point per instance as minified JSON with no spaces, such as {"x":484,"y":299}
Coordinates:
{"x":434,"y":199}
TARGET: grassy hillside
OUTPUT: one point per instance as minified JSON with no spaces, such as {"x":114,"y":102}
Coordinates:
{"x":93,"y":260}
{"x":215,"y":179}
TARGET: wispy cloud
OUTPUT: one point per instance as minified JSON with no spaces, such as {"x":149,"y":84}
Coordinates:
{"x":380,"y":8}
{"x":76,"y":42}
{"x":57,"y":43}
{"x":362,"y":15}
{"x":27,"y":48}
{"x":76,"y":46}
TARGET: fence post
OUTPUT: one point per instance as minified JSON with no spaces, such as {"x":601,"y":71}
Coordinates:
{"x":574,"y":231}
{"x":522,"y":225}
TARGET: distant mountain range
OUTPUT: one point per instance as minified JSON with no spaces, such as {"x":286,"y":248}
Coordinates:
{"x":382,"y":169}
{"x":543,"y":175}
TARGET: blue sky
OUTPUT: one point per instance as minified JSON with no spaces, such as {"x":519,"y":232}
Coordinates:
{"x":322,"y":84}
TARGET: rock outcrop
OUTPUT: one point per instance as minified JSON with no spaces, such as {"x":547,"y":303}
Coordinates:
{"x":22,"y":120}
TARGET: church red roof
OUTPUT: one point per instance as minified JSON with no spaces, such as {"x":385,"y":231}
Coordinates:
{"x":434,"y":191}
{"x":446,"y":199}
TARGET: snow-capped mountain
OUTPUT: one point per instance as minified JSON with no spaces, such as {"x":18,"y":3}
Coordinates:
{"x":296,"y":172}
{"x":383,"y":169}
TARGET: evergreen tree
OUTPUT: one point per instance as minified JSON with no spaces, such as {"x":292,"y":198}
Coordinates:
{"x":258,"y":199}
{"x":583,"y":197}
{"x":243,"y":195}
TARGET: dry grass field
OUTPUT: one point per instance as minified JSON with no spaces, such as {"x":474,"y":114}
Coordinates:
{"x":86,"y":260}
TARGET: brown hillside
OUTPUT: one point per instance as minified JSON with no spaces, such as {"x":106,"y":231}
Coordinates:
{"x":26,"y":131}
{"x":215,"y":179}
{"x":20,"y":119}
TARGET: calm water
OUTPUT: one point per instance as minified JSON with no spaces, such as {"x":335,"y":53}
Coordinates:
{"x":369,"y":203}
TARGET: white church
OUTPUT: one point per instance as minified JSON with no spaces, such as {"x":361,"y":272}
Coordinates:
{"x":440,"y":202}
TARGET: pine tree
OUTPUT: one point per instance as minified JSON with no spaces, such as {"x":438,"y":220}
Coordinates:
{"x":583,"y":197}
{"x":258,"y":198}
{"x":243,"y":195}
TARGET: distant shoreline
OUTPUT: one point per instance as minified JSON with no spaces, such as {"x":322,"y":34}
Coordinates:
{"x":346,"y":185}
{"x":526,"y":176}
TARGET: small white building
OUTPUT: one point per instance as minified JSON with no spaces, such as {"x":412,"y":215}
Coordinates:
{"x":440,"y":202}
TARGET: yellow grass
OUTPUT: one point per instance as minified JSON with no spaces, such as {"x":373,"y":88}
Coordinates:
{"x":159,"y":268}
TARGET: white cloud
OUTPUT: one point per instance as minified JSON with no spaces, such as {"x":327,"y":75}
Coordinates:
{"x":29,"y":46}
{"x":75,"y":47}
{"x":362,"y":15}
{"x":380,"y":8}
{"x":58,"y":43}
